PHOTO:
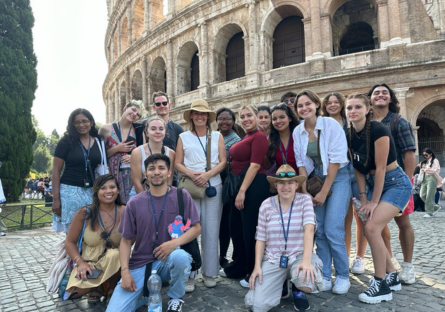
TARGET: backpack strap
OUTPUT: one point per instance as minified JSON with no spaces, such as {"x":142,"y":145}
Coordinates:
{"x":117,"y":130}
{"x":180,"y":201}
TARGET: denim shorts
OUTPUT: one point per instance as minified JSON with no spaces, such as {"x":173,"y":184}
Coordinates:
{"x":354,"y":185}
{"x":396,"y":190}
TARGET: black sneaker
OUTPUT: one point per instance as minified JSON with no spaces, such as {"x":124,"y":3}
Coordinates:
{"x":378,"y":291}
{"x":393,"y":281}
{"x":285,"y":292}
{"x":300,"y":301}
{"x":175,"y":305}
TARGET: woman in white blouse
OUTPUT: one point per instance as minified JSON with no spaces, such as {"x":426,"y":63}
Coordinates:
{"x":430,"y":183}
{"x":321,"y":149}
{"x":191,"y":162}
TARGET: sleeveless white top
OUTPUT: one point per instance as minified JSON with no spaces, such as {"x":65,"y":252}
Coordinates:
{"x":144,"y":156}
{"x":194,"y":157}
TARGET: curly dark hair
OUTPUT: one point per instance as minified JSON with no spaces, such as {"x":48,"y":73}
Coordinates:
{"x":394,"y":103}
{"x":340,"y":97}
{"x":274,"y":136}
{"x":71,"y":132}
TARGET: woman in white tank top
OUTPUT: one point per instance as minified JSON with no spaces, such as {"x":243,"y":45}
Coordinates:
{"x":155,"y":132}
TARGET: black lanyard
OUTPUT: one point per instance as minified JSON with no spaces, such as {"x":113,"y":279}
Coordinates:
{"x":204,"y":149}
{"x":286,"y":234}
{"x":120,"y":132}
{"x":86,"y":155}
{"x":155,"y":217}
{"x":287,"y":151}
{"x":151,"y":153}
{"x":102,"y":224}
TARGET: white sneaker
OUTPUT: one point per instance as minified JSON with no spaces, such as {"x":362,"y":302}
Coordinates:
{"x":222,"y":273}
{"x":407,"y":274}
{"x":358,"y":266}
{"x":341,"y":286}
{"x":209,"y":281}
{"x":396,"y":264}
{"x":437,"y":210}
{"x":327,"y":285}
{"x":190,"y":285}
{"x":427,"y":216}
{"x":244,"y":283}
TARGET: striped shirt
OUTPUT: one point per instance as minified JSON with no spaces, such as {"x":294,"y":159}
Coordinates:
{"x":270,"y":229}
{"x":229,"y":140}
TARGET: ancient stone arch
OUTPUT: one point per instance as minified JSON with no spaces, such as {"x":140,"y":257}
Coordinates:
{"x":115,"y":46}
{"x":136,"y":85}
{"x":354,"y":26}
{"x":158,"y":75}
{"x":122,"y":96}
{"x":222,"y":38}
{"x":138,"y":20}
{"x":124,"y":35}
{"x":183,"y":67}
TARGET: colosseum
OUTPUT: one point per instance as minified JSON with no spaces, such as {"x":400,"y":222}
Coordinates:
{"x":235,"y":52}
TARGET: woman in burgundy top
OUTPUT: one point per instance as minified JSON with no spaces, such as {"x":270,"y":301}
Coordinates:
{"x":248,"y":154}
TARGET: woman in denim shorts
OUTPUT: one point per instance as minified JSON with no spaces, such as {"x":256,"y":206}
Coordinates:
{"x":374,"y":153}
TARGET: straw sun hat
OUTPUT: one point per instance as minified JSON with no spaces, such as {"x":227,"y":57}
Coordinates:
{"x":283,"y":170}
{"x":202,"y":106}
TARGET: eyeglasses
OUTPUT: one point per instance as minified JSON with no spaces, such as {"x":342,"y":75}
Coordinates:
{"x":290,"y":100}
{"x":158,"y":104}
{"x":104,"y":235}
{"x":82,"y":122}
{"x":220,"y":119}
{"x":289,"y":174}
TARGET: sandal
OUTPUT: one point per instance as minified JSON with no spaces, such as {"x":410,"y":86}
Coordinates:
{"x":93,"y":297}
{"x":75,"y":295}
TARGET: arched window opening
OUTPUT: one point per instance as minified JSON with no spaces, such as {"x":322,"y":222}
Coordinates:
{"x":359,"y":37}
{"x":123,"y":97}
{"x":158,"y":75}
{"x":235,"y":63}
{"x":194,"y":72}
{"x":138,"y":20}
{"x":288,"y":45}
{"x":136,"y":86}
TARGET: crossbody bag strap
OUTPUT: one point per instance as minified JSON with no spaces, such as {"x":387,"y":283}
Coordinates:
{"x":318,"y":151}
{"x":117,"y":130}
{"x":209,"y":151}
{"x":80,"y":238}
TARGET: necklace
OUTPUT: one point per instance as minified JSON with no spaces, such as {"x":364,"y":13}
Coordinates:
{"x":359,"y":136}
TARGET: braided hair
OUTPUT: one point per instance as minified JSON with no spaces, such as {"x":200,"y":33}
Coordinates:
{"x":274,"y":136}
{"x":364,"y":98}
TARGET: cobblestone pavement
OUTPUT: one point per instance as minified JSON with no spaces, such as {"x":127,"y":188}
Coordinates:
{"x":27,"y":255}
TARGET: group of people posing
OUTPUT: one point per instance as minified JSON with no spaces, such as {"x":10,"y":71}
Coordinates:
{"x":356,"y":147}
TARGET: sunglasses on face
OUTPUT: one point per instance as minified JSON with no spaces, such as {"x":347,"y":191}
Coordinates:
{"x":104,"y":235}
{"x":291,"y":100}
{"x":158,"y":104}
{"x":425,"y":155}
{"x":82,"y":122}
{"x":289,"y":174}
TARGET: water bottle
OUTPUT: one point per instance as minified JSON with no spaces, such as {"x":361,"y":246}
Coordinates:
{"x":154,"y":287}
{"x":357,"y":205}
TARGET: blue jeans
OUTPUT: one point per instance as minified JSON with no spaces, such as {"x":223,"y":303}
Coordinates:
{"x":176,"y":267}
{"x":330,"y":233}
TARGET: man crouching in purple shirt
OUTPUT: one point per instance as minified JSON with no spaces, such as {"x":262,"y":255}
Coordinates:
{"x":145,"y":221}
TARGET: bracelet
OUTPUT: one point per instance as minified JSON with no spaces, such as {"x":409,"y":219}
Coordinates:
{"x":123,"y":269}
{"x":362,"y":193}
{"x":76,"y":259}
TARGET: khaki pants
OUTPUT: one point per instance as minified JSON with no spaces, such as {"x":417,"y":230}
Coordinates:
{"x":428,"y":193}
{"x":268,"y":294}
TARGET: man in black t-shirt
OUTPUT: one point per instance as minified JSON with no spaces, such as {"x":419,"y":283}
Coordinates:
{"x":161,"y":105}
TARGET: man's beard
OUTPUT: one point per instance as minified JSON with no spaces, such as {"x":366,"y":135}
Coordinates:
{"x":157,"y":183}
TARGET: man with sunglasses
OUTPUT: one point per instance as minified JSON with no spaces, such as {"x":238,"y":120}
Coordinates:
{"x":288,"y":98}
{"x":161,"y":105}
{"x":145,"y":222}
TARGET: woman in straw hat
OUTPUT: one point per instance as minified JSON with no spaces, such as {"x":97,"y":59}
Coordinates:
{"x":285,"y":237}
{"x":191,"y":162}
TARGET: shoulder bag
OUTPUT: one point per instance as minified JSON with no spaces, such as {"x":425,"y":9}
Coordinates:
{"x":195,"y":191}
{"x":232,"y":183}
{"x":102,"y":168}
{"x":191,"y":247}
{"x":315,"y":183}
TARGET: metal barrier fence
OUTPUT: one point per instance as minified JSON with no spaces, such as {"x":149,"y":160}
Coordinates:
{"x":30,"y":215}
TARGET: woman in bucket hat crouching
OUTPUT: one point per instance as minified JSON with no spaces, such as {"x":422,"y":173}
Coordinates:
{"x":285,"y":237}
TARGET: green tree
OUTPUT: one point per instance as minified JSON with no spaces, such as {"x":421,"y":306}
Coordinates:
{"x":53,"y":140}
{"x":42,"y":159}
{"x":18,"y":82}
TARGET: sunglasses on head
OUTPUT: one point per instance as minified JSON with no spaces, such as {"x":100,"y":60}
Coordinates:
{"x":104,"y":235}
{"x":291,"y":100}
{"x":158,"y":104}
{"x":289,"y":174}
